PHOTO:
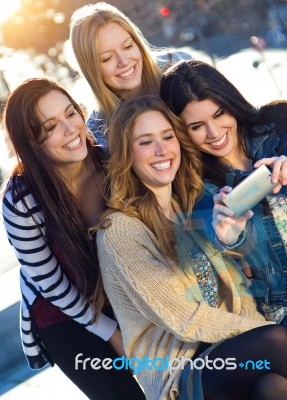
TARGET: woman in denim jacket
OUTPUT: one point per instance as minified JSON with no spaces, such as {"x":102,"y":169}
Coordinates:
{"x":116,"y":60}
{"x":235,"y":137}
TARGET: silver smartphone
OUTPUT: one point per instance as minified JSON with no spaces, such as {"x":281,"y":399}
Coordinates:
{"x":250,"y":191}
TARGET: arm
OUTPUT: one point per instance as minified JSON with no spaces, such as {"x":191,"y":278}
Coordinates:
{"x":227,"y":226}
{"x":42,"y":269}
{"x":128,"y":255}
{"x":205,"y":219}
{"x":116,"y":341}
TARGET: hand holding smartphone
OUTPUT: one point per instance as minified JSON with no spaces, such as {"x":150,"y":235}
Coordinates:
{"x":250,"y":191}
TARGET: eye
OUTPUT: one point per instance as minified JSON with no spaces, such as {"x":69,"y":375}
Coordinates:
{"x":145,"y":142}
{"x":104,"y":60}
{"x":129,"y":44}
{"x":169,"y":137}
{"x":195,"y":127}
{"x":220,"y":112}
{"x":71,"y":114}
{"x":50,"y":129}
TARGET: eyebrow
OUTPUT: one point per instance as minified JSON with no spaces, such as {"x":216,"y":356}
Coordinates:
{"x":199,"y":122}
{"x":107,"y":51}
{"x":50,"y":119}
{"x":151,"y":134}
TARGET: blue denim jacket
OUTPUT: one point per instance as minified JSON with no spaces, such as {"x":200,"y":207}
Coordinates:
{"x":261,"y":244}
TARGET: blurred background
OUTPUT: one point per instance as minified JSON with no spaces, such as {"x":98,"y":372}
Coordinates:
{"x":244,"y":39}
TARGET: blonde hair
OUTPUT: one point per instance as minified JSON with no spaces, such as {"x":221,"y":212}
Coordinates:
{"x":84,"y":26}
{"x":126,"y":193}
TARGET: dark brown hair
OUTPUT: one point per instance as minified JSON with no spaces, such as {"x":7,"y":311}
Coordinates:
{"x":35,"y":172}
{"x":195,"y":80}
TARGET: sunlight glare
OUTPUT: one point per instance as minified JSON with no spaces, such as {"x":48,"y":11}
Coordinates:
{"x":7,"y":8}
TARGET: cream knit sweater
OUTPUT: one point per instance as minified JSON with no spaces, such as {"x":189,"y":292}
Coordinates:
{"x":158,"y":306}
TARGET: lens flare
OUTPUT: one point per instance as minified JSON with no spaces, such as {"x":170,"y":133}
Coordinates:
{"x":7,"y":8}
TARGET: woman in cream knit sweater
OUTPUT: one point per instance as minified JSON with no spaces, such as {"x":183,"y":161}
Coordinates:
{"x":188,"y":322}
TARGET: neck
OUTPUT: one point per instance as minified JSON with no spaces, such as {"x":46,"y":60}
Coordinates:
{"x":238,"y":159}
{"x":164,"y":200}
{"x":131,"y":93}
{"x":240,"y":162}
{"x":74,"y":173}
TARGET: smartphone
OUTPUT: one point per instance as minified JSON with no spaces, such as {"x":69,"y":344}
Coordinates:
{"x":250,"y":191}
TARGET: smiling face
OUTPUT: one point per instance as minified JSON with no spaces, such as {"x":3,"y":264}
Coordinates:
{"x":156,"y":151}
{"x":211,"y":128}
{"x":62,"y":128}
{"x":120,"y":59}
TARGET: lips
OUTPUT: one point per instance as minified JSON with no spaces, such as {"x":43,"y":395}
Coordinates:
{"x":127,"y":74}
{"x":160,"y":166}
{"x":218,"y":144}
{"x":73,"y":144}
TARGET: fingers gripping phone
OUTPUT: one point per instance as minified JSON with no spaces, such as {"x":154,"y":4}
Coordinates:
{"x":250,"y":191}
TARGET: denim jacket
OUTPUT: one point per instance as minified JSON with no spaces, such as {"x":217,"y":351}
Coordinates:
{"x":261,"y":245}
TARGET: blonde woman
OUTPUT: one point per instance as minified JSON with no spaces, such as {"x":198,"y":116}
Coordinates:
{"x":175,"y":296}
{"x":116,"y":60}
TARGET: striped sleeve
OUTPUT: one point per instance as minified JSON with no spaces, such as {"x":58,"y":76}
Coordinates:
{"x":40,"y":267}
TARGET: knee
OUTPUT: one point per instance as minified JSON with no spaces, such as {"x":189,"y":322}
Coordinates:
{"x":269,"y":386}
{"x":274,"y":335}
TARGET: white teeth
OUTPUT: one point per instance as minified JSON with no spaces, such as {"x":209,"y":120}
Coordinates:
{"x":128,"y":73}
{"x":219,"y":142}
{"x":162,"y":165}
{"x":74,"y":143}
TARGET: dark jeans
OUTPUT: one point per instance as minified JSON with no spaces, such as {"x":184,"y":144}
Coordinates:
{"x":65,"y":340}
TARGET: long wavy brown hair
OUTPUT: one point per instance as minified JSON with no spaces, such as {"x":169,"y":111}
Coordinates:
{"x":34,"y":172}
{"x":126,"y":192}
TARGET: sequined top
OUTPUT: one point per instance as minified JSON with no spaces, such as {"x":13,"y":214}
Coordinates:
{"x":207,"y":278}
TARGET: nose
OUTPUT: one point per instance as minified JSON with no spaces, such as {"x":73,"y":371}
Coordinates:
{"x":160,"y":148}
{"x":212,"y":131}
{"x":68,"y":127}
{"x":122,"y":59}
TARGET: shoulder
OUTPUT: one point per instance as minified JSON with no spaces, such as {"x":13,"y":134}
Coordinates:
{"x":265,"y":141}
{"x":96,"y":122}
{"x":125,"y":232}
{"x":18,"y":199}
{"x":178,"y":55}
{"x":122,"y":224}
{"x":168,"y":57}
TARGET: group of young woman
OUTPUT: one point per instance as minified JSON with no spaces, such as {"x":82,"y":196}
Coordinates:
{"x":122,"y":250}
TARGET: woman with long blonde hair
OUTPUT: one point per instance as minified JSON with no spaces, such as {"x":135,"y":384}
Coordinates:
{"x":116,"y":60}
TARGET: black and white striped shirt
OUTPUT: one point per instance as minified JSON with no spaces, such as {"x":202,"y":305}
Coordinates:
{"x":41,"y":274}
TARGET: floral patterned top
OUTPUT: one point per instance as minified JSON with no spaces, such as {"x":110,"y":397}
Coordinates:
{"x":278,"y":206}
{"x":206,"y":276}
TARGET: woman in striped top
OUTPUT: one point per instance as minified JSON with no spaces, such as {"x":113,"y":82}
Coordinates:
{"x":53,"y":195}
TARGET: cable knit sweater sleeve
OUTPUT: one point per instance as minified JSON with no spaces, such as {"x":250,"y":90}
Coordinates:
{"x":129,"y":256}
